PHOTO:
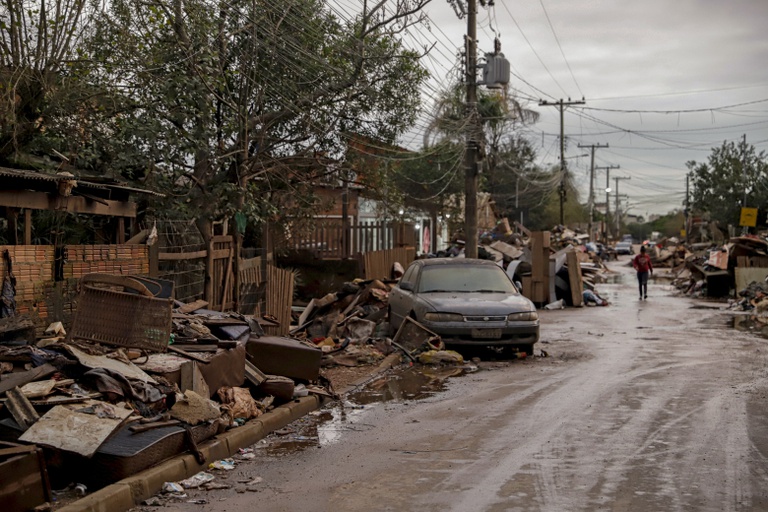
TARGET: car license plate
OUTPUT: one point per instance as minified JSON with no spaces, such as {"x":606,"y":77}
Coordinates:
{"x":486,"y":334}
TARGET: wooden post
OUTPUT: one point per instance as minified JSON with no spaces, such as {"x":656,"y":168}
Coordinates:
{"x":209,"y":263}
{"x":236,"y":270}
{"x":27,"y":226}
{"x":154,"y":260}
{"x":121,"y":230}
{"x":13,"y":225}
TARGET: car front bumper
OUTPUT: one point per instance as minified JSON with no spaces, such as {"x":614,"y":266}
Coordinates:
{"x":465,"y":333}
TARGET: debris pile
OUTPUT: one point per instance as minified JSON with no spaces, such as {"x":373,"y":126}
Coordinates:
{"x":718,"y":270}
{"x":138,"y":378}
{"x":527,"y":258}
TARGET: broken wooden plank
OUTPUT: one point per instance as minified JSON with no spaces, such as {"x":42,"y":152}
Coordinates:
{"x":19,"y":379}
{"x":38,"y":389}
{"x":16,"y":450}
{"x":197,"y":348}
{"x":192,"y":306}
{"x":191,"y":378}
{"x":20,"y":408}
{"x":186,"y":354}
{"x":574,"y":278}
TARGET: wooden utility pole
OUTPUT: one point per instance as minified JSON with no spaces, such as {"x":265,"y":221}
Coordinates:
{"x":591,"y":202}
{"x":687,"y":208}
{"x":618,"y":217}
{"x":563,"y":172}
{"x":473,"y":133}
{"x":607,"y":198}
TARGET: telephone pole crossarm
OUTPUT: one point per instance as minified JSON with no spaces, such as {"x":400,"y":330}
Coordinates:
{"x":560,"y":104}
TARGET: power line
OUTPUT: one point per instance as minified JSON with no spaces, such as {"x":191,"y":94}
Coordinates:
{"x":557,"y":39}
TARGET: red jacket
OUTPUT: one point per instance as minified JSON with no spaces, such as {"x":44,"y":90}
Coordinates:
{"x":642,"y":263}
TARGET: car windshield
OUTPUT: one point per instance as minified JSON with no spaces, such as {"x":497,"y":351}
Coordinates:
{"x":460,"y":278}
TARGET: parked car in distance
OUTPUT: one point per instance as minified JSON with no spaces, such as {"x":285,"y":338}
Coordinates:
{"x":468,"y":302}
{"x":623,"y":248}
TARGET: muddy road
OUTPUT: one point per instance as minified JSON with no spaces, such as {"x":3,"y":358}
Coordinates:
{"x":646,"y":406}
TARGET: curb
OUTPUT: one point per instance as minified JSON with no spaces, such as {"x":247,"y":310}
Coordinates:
{"x":130,"y":492}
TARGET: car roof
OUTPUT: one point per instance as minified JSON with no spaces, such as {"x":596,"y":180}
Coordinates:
{"x":455,"y":261}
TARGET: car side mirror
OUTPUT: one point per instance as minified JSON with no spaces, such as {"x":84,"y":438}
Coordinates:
{"x":405,"y":285}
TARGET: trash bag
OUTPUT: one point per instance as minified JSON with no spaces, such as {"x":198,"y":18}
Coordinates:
{"x":558,"y":304}
{"x":441,"y":356}
{"x":238,"y":403}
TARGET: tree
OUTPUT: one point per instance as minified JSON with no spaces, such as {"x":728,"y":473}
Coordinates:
{"x":541,"y":199}
{"x":734,"y":172}
{"x":234,"y":107}
{"x":507,"y":156}
{"x":40,"y":43}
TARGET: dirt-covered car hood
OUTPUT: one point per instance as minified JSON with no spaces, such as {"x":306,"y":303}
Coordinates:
{"x":476,"y":303}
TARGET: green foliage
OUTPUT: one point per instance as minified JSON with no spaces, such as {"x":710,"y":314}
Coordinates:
{"x":227,"y":108}
{"x":732,"y":171}
{"x":542,"y":206}
{"x":669,"y":225}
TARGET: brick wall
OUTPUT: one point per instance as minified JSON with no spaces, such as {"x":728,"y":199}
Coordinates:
{"x":46,"y":300}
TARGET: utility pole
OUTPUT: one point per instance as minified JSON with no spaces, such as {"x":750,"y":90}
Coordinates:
{"x":470,"y":162}
{"x":618,"y":217}
{"x":563,"y":173}
{"x":744,"y":169}
{"x":607,"y":198}
{"x":687,"y":208}
{"x":591,"y":202}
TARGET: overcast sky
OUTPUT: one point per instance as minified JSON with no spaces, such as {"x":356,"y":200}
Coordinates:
{"x":664,"y":81}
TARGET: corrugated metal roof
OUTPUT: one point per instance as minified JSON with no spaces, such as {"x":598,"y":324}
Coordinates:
{"x":31,"y":175}
{"x":56,"y":178}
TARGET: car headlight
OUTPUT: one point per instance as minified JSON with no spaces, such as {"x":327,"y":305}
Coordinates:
{"x":526,"y":316}
{"x":443,"y":317}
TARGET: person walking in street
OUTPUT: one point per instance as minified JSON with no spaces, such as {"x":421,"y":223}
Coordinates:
{"x":642,"y":264}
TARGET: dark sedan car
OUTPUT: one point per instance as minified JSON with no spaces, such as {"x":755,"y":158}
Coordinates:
{"x":467,"y":302}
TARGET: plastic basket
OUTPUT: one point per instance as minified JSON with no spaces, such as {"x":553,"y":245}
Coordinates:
{"x":107,"y":313}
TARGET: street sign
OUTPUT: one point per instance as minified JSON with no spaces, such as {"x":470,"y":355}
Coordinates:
{"x":748,"y":217}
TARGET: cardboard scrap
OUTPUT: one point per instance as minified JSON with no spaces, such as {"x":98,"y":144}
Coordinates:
{"x":38,"y":389}
{"x":69,"y":429}
{"x":129,"y":370}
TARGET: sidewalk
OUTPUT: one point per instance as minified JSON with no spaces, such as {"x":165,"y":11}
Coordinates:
{"x":130,"y":492}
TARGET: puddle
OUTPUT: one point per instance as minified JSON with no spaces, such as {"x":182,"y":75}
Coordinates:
{"x":328,"y":425}
{"x":748,"y":323}
{"x":410,"y":384}
{"x":615,"y":278}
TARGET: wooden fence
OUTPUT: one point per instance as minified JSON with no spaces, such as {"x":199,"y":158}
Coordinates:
{"x":272,"y":296}
{"x":378,"y":264}
{"x":331,"y":239}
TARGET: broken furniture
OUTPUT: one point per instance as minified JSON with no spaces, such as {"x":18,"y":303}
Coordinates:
{"x":287,"y":357}
{"x":24,"y":481}
{"x":121,"y":311}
